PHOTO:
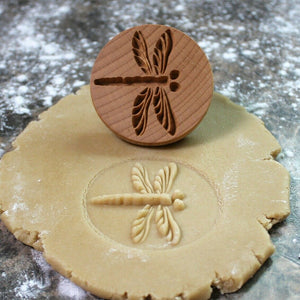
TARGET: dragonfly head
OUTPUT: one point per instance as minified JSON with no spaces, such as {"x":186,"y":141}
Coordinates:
{"x":174,"y":74}
{"x":174,"y":86}
{"x":177,"y":198}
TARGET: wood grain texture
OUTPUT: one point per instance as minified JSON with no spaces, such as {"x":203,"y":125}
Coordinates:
{"x":151,"y":85}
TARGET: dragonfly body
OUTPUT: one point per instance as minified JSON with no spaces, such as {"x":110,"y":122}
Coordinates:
{"x":132,"y":80}
{"x":134,"y":199}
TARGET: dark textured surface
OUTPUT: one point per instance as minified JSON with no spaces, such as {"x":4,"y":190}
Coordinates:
{"x":47,"y":49}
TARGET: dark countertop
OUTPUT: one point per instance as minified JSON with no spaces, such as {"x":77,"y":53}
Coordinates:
{"x":47,"y":50}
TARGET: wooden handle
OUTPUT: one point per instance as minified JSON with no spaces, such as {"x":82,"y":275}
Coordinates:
{"x":151,"y":85}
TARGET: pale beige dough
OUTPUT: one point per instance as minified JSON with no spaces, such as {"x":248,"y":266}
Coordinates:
{"x":229,"y":191}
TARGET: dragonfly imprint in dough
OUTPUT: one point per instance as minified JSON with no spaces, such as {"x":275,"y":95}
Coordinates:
{"x":155,"y":198}
{"x":155,"y":78}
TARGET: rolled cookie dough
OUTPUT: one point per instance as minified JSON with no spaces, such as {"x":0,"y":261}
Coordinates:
{"x":210,"y":200}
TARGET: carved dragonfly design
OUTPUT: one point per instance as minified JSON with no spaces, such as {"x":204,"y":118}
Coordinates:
{"x":150,"y":196}
{"x":155,"y":75}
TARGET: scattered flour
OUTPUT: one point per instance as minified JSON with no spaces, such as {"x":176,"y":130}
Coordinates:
{"x":30,"y":284}
{"x":40,"y":67}
{"x":78,"y":83}
{"x":230,"y":55}
{"x":29,"y":288}
{"x":67,"y":288}
{"x":179,"y":8}
{"x":289,"y":153}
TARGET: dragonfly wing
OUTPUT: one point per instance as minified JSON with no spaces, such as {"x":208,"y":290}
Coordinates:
{"x":164,"y":179}
{"x":140,"y":179}
{"x":162,"y":52}
{"x":167,"y":226}
{"x":141,"y":225}
{"x":161,"y":221}
{"x":140,"y":110}
{"x":174,"y":234}
{"x":163,"y":110}
{"x":140,"y":51}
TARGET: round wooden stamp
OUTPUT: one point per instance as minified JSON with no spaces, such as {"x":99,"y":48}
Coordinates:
{"x":151,"y":85}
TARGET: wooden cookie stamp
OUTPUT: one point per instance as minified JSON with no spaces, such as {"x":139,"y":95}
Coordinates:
{"x":151,"y":85}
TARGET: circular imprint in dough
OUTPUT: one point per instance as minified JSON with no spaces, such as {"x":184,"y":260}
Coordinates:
{"x":190,"y":210}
